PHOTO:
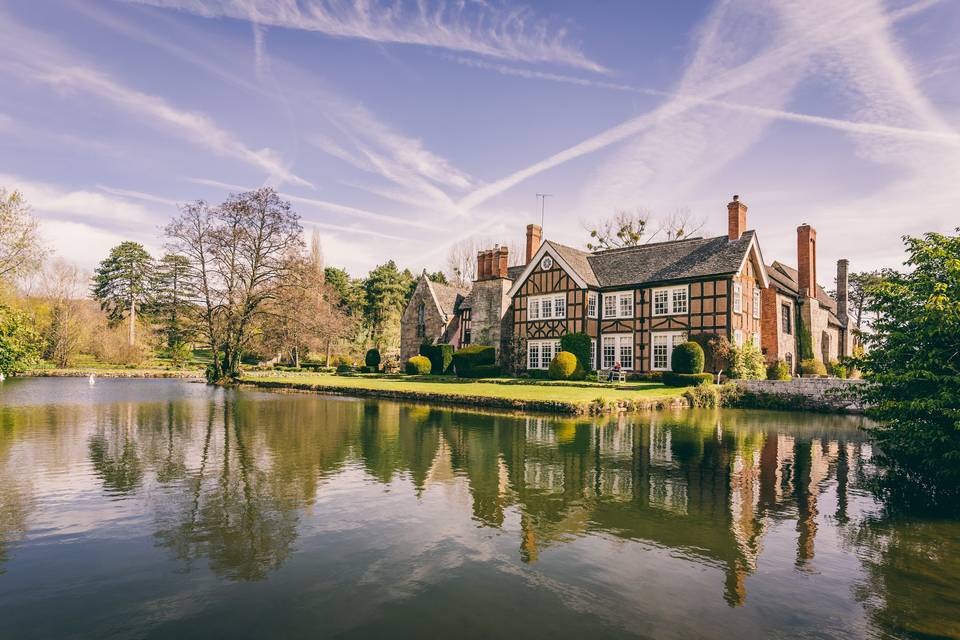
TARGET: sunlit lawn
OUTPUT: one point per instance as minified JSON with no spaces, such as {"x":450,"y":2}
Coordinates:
{"x":539,"y":390}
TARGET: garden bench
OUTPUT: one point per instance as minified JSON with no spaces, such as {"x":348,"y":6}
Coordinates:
{"x":611,"y":376}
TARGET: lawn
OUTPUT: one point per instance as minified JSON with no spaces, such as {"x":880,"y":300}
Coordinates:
{"x":510,"y":390}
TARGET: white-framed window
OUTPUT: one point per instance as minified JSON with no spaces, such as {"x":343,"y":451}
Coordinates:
{"x":591,"y":304}
{"x":541,"y":352}
{"x":661,"y":352}
{"x":737,"y":297}
{"x":593,"y":352}
{"x":618,"y":305}
{"x":618,"y":347}
{"x":755,"y":339}
{"x":738,"y":337}
{"x":671,"y":300}
{"x":547,"y":307}
{"x":756,"y":302}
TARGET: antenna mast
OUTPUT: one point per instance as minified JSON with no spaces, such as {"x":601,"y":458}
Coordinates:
{"x":542,"y":197}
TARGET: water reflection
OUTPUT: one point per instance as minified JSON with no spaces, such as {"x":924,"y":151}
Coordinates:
{"x":226,"y":481}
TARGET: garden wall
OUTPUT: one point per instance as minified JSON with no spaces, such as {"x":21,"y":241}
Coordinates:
{"x":804,"y":394}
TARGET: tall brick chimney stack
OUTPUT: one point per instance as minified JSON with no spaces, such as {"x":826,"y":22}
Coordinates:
{"x":534,"y":236}
{"x":481,"y":265}
{"x":807,"y":260}
{"x":843,"y":290}
{"x":500,"y":262}
{"x":736,"y":218}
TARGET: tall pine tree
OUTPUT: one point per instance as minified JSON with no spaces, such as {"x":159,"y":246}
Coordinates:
{"x":121,"y":283}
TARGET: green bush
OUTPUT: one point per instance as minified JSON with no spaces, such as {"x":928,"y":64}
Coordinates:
{"x":372,"y":359}
{"x":687,"y":358}
{"x":418,"y":366}
{"x":563,"y":366}
{"x":835,"y":368}
{"x":441,"y":357}
{"x":716,"y":351}
{"x":344,"y":368}
{"x":472,"y":356}
{"x":778,"y":371}
{"x":811,"y":367}
{"x":485,"y":371}
{"x":342,"y":360}
{"x":673,"y":379}
{"x":579,"y":345}
{"x":652,"y":376}
{"x":746,"y":363}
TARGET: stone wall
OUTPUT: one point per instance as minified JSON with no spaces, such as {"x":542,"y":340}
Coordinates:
{"x":435,"y":323}
{"x":490,"y":301}
{"x":807,"y":394}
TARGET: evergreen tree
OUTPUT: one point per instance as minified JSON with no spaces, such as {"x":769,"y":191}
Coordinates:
{"x":387,"y":290}
{"x":172,"y":299}
{"x":121,"y":283}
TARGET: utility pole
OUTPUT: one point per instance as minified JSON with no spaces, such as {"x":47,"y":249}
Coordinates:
{"x":542,"y":197}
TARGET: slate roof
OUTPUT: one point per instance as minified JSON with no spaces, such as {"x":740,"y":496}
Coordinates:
{"x":449,"y":296}
{"x":657,"y":262}
{"x":788,"y":279}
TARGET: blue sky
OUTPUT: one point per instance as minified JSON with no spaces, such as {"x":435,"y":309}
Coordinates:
{"x":397,"y":129}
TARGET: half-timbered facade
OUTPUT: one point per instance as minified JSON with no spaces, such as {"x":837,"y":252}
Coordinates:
{"x":637,"y":303}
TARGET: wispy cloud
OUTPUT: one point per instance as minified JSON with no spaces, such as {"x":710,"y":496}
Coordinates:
{"x":51,"y":65}
{"x":483,"y":28}
{"x":138,"y":195}
{"x":53,"y":201}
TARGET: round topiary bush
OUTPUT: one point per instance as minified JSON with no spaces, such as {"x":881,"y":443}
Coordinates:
{"x":688,"y":358}
{"x":372,"y":359}
{"x":778,"y":371}
{"x":563,"y":366}
{"x":418,"y":366}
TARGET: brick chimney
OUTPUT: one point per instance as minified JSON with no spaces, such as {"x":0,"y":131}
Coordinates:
{"x":500,"y":262}
{"x":534,"y":235}
{"x":843,"y":290}
{"x":481,"y":265}
{"x":807,"y":260}
{"x":736,"y":218}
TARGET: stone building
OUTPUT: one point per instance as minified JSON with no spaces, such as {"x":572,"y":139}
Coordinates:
{"x":432,"y":315}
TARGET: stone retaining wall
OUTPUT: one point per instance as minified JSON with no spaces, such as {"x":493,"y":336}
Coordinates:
{"x":805,"y":394}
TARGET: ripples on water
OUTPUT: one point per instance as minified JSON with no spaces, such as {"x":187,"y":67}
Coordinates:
{"x":148,"y":508}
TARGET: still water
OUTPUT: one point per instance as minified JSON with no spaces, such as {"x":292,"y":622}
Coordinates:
{"x":166,"y":509}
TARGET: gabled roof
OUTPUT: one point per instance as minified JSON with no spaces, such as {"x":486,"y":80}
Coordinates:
{"x":651,"y":263}
{"x":787,"y":278}
{"x":446,"y":296}
{"x":674,"y":260}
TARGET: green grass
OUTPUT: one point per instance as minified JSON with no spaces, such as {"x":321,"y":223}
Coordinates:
{"x":505,"y":389}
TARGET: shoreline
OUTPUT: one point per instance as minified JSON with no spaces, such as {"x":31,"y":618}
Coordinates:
{"x":509,"y":404}
{"x":114,"y":373}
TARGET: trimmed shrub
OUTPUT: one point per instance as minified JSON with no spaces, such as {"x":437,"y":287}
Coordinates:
{"x":811,"y":367}
{"x":778,"y":371}
{"x":418,"y":366}
{"x":472,"y":356}
{"x":579,"y":345}
{"x":716,"y":351}
{"x":441,"y":357}
{"x":688,"y":358}
{"x":372,"y":359}
{"x":652,"y":376}
{"x":344,"y":368}
{"x":673,"y":379}
{"x":563,"y":366}
{"x":485,"y":371}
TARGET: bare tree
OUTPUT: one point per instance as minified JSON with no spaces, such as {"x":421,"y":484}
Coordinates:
{"x":462,"y":258}
{"x":21,"y":250}
{"x":630,"y":228}
{"x":239,"y":258}
{"x":64,"y":285}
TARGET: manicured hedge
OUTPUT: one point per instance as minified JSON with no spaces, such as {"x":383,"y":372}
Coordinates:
{"x":441,"y":357}
{"x":418,"y":366}
{"x":579,"y":345}
{"x":687,"y":358}
{"x":672,"y":379}
{"x":485,"y":371}
{"x":467,"y":359}
{"x":564,"y":366}
{"x":372,"y":359}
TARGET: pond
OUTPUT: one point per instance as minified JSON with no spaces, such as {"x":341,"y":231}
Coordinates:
{"x":169,"y":509}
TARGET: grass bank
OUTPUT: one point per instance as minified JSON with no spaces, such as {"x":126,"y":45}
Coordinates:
{"x":114,"y":372}
{"x":494,"y":393}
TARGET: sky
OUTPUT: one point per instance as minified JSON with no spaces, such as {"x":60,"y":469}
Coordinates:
{"x":399,"y":128}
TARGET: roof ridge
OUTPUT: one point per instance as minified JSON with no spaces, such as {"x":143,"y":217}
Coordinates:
{"x":656,"y":244}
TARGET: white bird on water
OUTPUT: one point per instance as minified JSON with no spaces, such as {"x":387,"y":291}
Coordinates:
{"x":2,"y":377}
{"x":92,"y":380}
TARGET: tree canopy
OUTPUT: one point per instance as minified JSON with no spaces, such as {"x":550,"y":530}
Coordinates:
{"x":121,"y":283}
{"x":20,"y":247}
{"x":912,"y":361}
